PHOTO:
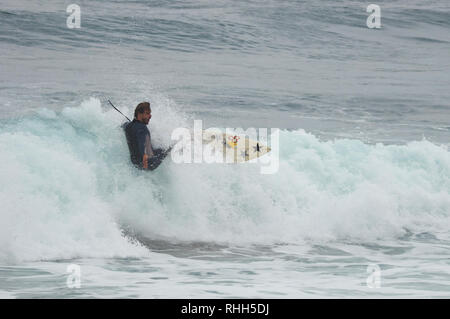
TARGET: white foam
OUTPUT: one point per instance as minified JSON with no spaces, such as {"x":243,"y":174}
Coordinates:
{"x":67,"y":187}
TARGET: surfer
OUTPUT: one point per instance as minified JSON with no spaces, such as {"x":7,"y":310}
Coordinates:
{"x":142,"y":153}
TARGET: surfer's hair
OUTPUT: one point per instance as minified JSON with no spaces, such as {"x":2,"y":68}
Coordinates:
{"x":141,"y":108}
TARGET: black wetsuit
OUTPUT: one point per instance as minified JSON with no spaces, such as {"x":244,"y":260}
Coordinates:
{"x":138,"y":139}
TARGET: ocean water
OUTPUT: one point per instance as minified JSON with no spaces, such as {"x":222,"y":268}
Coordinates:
{"x":360,"y":204}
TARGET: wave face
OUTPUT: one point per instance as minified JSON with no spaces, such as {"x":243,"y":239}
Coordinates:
{"x":68,"y":189}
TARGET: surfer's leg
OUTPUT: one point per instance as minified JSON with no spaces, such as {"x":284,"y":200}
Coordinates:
{"x":157,"y":158}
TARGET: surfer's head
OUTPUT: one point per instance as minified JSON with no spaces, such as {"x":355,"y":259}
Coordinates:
{"x":143,"y":112}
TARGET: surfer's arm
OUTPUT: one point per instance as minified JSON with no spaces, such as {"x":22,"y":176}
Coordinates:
{"x":142,"y":137}
{"x":145,"y":161}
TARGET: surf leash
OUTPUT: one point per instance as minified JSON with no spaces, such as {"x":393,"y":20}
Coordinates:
{"x":118,"y":110}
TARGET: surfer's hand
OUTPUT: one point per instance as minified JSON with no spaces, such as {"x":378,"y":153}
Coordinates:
{"x":145,"y":161}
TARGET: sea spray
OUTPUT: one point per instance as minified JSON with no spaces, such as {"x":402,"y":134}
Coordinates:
{"x":68,"y":190}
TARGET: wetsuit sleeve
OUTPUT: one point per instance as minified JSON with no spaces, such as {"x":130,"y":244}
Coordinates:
{"x":141,"y":135}
{"x":148,"y":146}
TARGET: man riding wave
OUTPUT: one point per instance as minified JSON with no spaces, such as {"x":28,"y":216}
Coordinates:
{"x":139,"y":143}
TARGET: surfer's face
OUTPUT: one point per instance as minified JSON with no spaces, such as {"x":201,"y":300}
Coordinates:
{"x":145,"y":117}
